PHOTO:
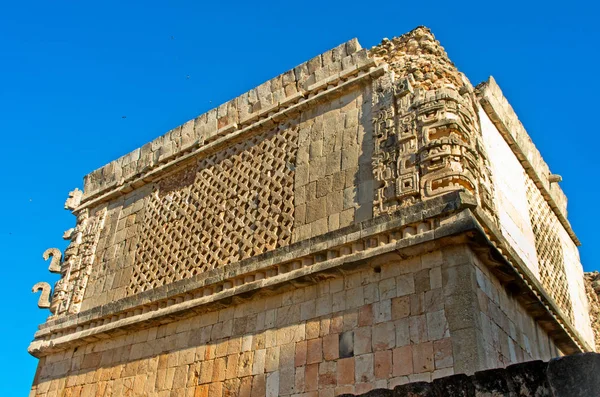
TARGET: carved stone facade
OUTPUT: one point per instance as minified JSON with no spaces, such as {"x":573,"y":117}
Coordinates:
{"x":222,"y":209}
{"x":427,"y":133}
{"x":367,"y":219}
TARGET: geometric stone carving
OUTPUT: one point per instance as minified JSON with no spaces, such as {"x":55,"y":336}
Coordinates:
{"x":77,"y":266}
{"x":425,"y":146}
{"x":226,"y":207}
{"x":44,"y":301}
{"x":56,"y":256}
{"x":426,"y":128}
{"x":549,"y":248}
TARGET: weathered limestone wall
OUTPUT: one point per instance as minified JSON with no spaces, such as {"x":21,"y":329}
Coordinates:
{"x":510,"y":182}
{"x":386,"y":322}
{"x":510,"y":334}
{"x":532,"y":227}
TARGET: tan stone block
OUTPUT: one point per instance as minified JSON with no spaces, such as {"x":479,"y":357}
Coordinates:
{"x":312,"y":329}
{"x":382,"y":311}
{"x":316,"y":209}
{"x":180,"y":377}
{"x":345,"y":371}
{"x":216,"y":389}
{"x":350,"y":320}
{"x":442,"y":353}
{"x":221,"y":348}
{"x":314,"y":351}
{"x":354,"y":298}
{"x":383,"y":336}
{"x":365,"y":315}
{"x":272,"y":384}
{"x":219,"y":368}
{"x":201,"y":391}
{"x":364,"y":368}
{"x":433,"y":300}
{"x":327,"y":375}
{"x":245,"y":386}
{"x":338,"y":302}
{"x":299,"y":379}
{"x":311,"y":377}
{"x":272,"y":359}
{"x":400,"y":307}
{"x":423,"y":357}
{"x":402,"y":358}
{"x":437,"y":326}
{"x":362,"y":340}
{"x":331,"y":349}
{"x":405,"y":284}
{"x":347,"y":217}
{"x":287,"y":379}
{"x":287,"y":355}
{"x":417,"y":304}
{"x":259,"y":385}
{"x":383,"y":364}
{"x":324,"y":326}
{"x":371,"y":293}
{"x":418,"y":329}
{"x":245,"y":362}
{"x":346,"y":389}
{"x":300,"y":354}
{"x":435,"y":277}
{"x":387,"y":288}
{"x":258,"y":365}
{"x":337,"y":323}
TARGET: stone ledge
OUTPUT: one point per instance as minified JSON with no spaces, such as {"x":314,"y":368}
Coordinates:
{"x":568,"y":376}
{"x":301,"y":262}
{"x":506,"y":121}
{"x":286,"y":265}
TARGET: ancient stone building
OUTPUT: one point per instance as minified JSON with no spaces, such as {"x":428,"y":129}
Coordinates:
{"x":365,"y":220}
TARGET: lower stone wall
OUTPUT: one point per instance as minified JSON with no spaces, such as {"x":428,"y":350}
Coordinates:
{"x":510,"y":334}
{"x":379,"y":324}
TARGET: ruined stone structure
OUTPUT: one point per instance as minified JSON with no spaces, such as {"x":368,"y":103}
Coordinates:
{"x":366,"y":220}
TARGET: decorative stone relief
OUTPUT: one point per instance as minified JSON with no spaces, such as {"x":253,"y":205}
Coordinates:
{"x":44,"y":301}
{"x":549,"y":249}
{"x":426,"y":129}
{"x":76,"y":267}
{"x":226,"y":207}
{"x":56,"y":256}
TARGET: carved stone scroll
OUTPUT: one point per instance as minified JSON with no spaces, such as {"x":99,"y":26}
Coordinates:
{"x":44,"y":301}
{"x":428,"y":137}
{"x":56,"y":256}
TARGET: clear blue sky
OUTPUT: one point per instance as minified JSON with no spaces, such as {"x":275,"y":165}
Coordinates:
{"x":69,"y":71}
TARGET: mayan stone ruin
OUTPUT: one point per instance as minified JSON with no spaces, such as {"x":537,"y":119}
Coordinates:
{"x":368,"y":220}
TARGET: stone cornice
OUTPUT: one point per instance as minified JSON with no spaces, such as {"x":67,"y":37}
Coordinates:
{"x":423,"y":227}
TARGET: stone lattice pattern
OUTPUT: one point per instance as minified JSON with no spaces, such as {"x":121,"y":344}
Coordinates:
{"x":548,"y":245}
{"x":592,"y":290}
{"x":229,"y":206}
